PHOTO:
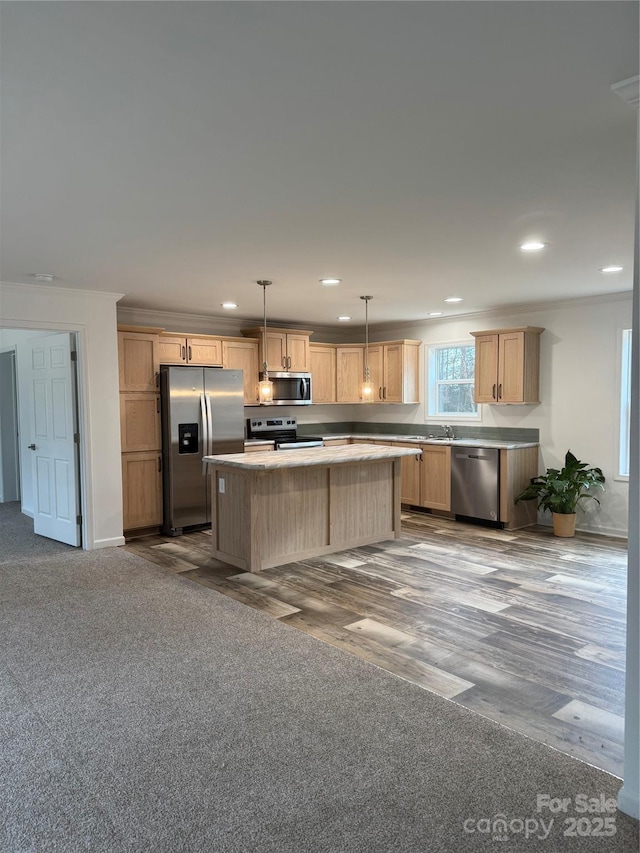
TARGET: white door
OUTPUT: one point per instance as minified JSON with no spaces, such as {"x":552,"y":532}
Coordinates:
{"x":51,"y":384}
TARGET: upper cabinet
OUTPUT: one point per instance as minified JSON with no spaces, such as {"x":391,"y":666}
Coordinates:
{"x":138,"y":361}
{"x":349,"y":373}
{"x":242,"y":354}
{"x":508,"y":365}
{"x":287,"y":349}
{"x":202,"y":350}
{"x":395,"y":371}
{"x":322,"y":359}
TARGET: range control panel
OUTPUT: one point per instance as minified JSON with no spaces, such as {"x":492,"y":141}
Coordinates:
{"x":267,"y":425}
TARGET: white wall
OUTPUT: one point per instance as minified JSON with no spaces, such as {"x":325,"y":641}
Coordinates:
{"x":93,"y":317}
{"x":578,"y":389}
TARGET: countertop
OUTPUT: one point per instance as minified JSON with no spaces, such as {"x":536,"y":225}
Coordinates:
{"x":309,"y":457}
{"x":453,"y":442}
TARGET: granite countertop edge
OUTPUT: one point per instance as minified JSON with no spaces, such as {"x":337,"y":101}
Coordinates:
{"x":456,"y":442}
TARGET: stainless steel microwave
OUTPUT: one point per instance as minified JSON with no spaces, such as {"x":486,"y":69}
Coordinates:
{"x":290,"y":389}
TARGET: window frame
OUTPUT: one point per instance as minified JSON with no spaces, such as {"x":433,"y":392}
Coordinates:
{"x":431,"y":386}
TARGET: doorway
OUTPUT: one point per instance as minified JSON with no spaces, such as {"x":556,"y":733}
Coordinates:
{"x":39,"y":368}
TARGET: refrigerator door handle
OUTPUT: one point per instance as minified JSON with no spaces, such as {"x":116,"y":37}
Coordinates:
{"x":205,"y":432}
{"x":209,"y":425}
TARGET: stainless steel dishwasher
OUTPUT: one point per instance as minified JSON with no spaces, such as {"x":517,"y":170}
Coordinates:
{"x":475,"y":482}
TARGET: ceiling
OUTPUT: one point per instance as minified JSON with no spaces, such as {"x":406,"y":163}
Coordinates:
{"x":177,"y":152}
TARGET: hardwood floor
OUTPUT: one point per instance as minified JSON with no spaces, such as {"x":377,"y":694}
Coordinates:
{"x":519,"y":626}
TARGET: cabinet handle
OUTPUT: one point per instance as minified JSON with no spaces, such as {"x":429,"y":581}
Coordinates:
{"x":419,"y":457}
{"x":499,"y":391}
{"x":159,"y":464}
{"x":384,"y":392}
{"x":380,"y":393}
{"x":189,"y":353}
{"x":493,"y":391}
{"x":184,"y":353}
{"x":288,"y":362}
{"x":158,"y":405}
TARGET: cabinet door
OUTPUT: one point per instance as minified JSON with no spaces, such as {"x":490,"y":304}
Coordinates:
{"x":349,"y":372}
{"x":393,"y":373}
{"x":323,"y":373}
{"x":376,"y":371}
{"x":243,"y":355}
{"x":298,"y":352}
{"x":205,"y":351}
{"x":335,"y":442}
{"x":486,"y":369}
{"x":511,"y":367}
{"x":435,"y":485}
{"x":140,"y":422}
{"x":138,"y":362}
{"x":172,"y":350}
{"x":276,"y":351}
{"x":142,"y":489}
{"x":410,"y":472}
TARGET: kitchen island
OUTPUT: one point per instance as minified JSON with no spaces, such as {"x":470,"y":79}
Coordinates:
{"x":268,"y":509}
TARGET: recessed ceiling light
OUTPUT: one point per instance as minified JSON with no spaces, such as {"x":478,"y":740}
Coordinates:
{"x":612,"y":268}
{"x":435,"y":313}
{"x":330,"y":282}
{"x":344,"y":317}
{"x":533,"y":246}
{"x":229,"y":305}
{"x":43,"y":276}
{"x":453,"y":299}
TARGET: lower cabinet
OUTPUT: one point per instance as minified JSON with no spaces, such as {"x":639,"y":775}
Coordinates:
{"x":142,"y":489}
{"x":335,"y":442}
{"x":426,"y":477}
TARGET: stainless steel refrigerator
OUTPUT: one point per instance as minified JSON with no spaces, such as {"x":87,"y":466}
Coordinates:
{"x":202,"y":414}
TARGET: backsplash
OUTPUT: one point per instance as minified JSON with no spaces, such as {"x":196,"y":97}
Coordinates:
{"x":492,"y":433}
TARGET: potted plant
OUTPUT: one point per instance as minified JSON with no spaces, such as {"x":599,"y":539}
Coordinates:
{"x":561,"y":491}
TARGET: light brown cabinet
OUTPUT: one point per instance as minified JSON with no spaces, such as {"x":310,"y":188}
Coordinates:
{"x":336,"y":442}
{"x":242,"y":354}
{"x":426,"y":477}
{"x":140,"y":428}
{"x":202,"y":350}
{"x":142,"y":490}
{"x":138,"y":361}
{"x":322,"y":359}
{"x":349,"y":373}
{"x":287,"y":349}
{"x":507,"y":368}
{"x":395,"y":371}
{"x":394,"y":367}
{"x":140,"y":422}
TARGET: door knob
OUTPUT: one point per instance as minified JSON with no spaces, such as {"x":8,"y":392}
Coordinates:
{"x":32,"y":447}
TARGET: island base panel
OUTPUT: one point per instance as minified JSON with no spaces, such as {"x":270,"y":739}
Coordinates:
{"x":263,"y":519}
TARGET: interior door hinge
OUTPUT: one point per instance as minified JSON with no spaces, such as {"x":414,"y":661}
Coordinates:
{"x":74,"y":355}
{"x":78,"y":519}
{"x":76,"y":438}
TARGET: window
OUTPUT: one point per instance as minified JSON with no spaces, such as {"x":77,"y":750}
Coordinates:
{"x":450,"y":377}
{"x":625,"y":403}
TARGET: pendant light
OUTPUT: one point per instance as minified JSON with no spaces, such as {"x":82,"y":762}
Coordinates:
{"x":265,"y":386}
{"x":366,"y":390}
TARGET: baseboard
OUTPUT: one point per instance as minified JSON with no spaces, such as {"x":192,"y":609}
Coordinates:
{"x":600,"y":531}
{"x":629,"y":801}
{"x":113,"y":542}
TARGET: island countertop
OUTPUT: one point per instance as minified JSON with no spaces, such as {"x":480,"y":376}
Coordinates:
{"x":309,"y":457}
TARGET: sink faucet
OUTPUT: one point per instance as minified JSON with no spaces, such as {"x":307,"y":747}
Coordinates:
{"x":448,"y":431}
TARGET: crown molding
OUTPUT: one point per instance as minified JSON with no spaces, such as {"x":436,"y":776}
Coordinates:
{"x":517,"y":308}
{"x":51,"y":289}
